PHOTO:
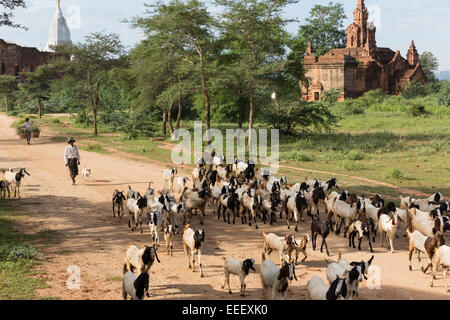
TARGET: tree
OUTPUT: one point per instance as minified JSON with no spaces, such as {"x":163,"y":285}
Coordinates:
{"x":37,"y":85}
{"x":429,"y":63}
{"x":6,"y":14}
{"x":324,"y":28}
{"x":90,"y":63}
{"x":255,"y":40}
{"x":185,"y":28}
{"x":8,"y":84}
{"x":291,"y":116}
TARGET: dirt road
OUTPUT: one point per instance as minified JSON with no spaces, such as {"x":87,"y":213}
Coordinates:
{"x":91,"y":240}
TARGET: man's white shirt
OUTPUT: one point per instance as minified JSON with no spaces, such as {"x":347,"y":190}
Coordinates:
{"x":71,"y":152}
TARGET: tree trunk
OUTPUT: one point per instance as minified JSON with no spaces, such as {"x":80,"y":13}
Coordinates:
{"x":40,"y":108}
{"x":250,"y":120}
{"x":169,"y":116}
{"x":240,"y":113}
{"x":94,"y":112}
{"x":207,"y":108}
{"x":180,"y":109}
{"x":164,"y":126}
{"x":6,"y":103}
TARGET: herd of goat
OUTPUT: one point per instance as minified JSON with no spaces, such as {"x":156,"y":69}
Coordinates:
{"x":243,"y":193}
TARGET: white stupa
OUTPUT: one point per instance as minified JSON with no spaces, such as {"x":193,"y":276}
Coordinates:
{"x":59,"y":32}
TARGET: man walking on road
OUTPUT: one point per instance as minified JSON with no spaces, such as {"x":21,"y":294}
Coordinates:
{"x":27,"y":125}
{"x":72,"y":158}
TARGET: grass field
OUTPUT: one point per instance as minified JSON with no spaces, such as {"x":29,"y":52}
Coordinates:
{"x":19,"y":259}
{"x":393,"y":147}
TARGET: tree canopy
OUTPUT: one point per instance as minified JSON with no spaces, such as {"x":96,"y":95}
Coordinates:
{"x":324,"y":28}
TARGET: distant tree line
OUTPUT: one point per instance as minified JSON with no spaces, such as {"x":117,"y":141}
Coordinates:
{"x":191,"y":65}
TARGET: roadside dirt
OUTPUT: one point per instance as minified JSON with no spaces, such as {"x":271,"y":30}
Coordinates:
{"x":91,"y":240}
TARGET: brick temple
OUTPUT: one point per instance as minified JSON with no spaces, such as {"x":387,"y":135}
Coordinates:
{"x":15,"y":59}
{"x":361,"y":66}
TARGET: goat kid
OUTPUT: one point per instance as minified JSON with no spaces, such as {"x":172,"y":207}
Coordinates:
{"x":240,"y":269}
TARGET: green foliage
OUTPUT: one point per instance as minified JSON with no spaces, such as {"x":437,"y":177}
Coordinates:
{"x":444,"y":94}
{"x":14,"y":252}
{"x":325,"y":28}
{"x":395,"y":174}
{"x":298,"y":156}
{"x":429,"y":64}
{"x":353,"y":165}
{"x":7,"y":13}
{"x":332,"y":95}
{"x":95,"y":148}
{"x":418,"y":110}
{"x":299,"y":116}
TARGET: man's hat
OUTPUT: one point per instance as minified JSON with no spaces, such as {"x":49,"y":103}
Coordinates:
{"x":71,"y":139}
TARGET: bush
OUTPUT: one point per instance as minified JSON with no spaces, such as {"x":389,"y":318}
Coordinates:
{"x":395,"y":173}
{"x":353,"y":165}
{"x":292,"y":117}
{"x":355,"y":155}
{"x":444,"y":94}
{"x":14,"y":252}
{"x":332,"y":95}
{"x":418,"y":111}
{"x":299,"y":156}
{"x":95,"y":148}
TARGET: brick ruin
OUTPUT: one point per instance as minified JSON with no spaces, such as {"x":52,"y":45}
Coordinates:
{"x":15,"y":59}
{"x":361,"y":66}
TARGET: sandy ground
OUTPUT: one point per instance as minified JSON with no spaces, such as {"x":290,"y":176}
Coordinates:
{"x":91,"y":240}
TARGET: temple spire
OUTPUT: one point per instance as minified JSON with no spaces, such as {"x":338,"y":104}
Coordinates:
{"x":412,"y":55}
{"x":361,"y":4}
{"x":59,"y":33}
{"x":310,"y":49}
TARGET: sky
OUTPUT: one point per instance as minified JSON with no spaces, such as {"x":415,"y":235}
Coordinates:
{"x":397,"y":22}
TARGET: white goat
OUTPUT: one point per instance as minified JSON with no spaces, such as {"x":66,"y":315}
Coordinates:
{"x":181,"y":183}
{"x":193,"y":242}
{"x":135,"y":287}
{"x":141,"y":260}
{"x":135,"y":209}
{"x":276,"y":279}
{"x":14,"y":180}
{"x":430,"y":203}
{"x":441,"y":259}
{"x":423,"y":244}
{"x":284,"y":245}
{"x":345,"y":213}
{"x":424,"y":222}
{"x":295,"y":206}
{"x":154,"y":219}
{"x":318,"y":290}
{"x":388,"y":224}
{"x":238,"y":268}
{"x":169,"y":176}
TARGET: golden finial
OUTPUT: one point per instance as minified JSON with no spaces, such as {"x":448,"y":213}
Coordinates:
{"x":59,"y":4}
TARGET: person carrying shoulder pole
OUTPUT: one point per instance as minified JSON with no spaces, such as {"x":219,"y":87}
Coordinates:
{"x":27,"y":125}
{"x":72,"y":158}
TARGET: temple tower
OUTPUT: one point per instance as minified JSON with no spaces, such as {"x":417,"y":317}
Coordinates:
{"x":412,"y":56}
{"x":59,"y":33}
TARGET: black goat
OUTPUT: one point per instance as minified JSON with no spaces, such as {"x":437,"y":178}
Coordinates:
{"x":228,"y":203}
{"x":117,"y":201}
{"x":322,"y":228}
